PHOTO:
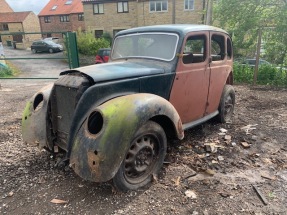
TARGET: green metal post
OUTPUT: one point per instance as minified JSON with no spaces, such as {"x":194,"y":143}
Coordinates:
{"x":72,"y":50}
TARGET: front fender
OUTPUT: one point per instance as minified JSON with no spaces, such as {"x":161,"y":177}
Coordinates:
{"x":98,"y":157}
{"x":34,"y":127}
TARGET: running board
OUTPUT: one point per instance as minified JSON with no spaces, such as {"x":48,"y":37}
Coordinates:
{"x":199,"y":121}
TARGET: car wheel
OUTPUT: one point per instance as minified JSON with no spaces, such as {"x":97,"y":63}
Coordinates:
{"x":144,"y":158}
{"x":226,"y":106}
{"x":34,"y":51}
{"x":51,"y":50}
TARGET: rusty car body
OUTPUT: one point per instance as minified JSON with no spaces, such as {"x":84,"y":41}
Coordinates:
{"x":113,"y":119}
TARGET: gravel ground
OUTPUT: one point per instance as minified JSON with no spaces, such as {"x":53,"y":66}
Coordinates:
{"x":212,"y":171}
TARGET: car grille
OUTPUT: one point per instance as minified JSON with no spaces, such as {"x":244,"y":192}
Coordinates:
{"x":65,"y":96}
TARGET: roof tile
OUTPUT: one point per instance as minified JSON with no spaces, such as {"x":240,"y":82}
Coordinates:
{"x":14,"y":16}
{"x":62,"y":8}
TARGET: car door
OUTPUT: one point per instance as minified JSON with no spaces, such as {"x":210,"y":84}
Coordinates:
{"x":220,"y":68}
{"x":190,"y":87}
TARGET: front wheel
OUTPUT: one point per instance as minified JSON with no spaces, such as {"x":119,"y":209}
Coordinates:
{"x":226,"y":106}
{"x":51,"y":50}
{"x":34,"y":51}
{"x":144,"y":158}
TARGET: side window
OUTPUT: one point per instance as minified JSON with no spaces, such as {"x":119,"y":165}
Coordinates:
{"x":229,"y":49}
{"x":217,"y":47}
{"x":194,"y":49}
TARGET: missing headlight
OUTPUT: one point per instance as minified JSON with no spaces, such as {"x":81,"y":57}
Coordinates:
{"x":95,"y":122}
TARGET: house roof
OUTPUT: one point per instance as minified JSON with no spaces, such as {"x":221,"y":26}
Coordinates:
{"x":13,"y":16}
{"x":5,"y":7}
{"x":62,"y":7}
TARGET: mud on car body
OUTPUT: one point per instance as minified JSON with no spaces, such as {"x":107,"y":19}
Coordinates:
{"x":114,"y":119}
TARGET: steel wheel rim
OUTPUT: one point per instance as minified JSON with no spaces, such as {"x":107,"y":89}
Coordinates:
{"x":141,"y":158}
{"x":228,"y":107}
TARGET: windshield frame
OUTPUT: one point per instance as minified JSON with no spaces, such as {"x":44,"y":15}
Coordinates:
{"x":146,"y":57}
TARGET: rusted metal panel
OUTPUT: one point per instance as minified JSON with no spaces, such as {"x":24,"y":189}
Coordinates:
{"x":34,"y":123}
{"x":220,"y":71}
{"x":190,"y":87}
{"x":98,"y":157}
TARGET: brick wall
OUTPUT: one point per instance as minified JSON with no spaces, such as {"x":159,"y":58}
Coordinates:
{"x":140,"y":15}
{"x":31,"y":24}
{"x":56,"y":25}
{"x":111,"y":19}
{"x":13,"y":27}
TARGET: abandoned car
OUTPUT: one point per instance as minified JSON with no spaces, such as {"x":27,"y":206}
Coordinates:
{"x":114,"y":119}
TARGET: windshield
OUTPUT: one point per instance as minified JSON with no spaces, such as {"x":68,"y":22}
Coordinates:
{"x":146,"y":45}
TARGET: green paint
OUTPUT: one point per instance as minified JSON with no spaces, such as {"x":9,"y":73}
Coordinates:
{"x":27,"y":112}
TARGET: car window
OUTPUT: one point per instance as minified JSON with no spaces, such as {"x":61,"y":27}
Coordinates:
{"x":146,"y":45}
{"x":194,"y":49}
{"x":217,"y":47}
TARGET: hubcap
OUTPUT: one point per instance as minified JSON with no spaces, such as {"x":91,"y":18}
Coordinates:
{"x":141,"y":158}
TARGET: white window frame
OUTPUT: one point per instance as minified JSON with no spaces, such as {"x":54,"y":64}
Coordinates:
{"x":123,"y":7}
{"x":154,"y":3}
{"x":98,"y":8}
{"x":190,"y":5}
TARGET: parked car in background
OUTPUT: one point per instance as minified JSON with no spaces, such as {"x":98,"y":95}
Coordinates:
{"x":252,"y":61}
{"x":102,"y":55}
{"x":46,"y":46}
{"x":114,"y":119}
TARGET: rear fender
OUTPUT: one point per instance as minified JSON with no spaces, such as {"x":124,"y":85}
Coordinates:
{"x":34,"y":118}
{"x":97,"y":157}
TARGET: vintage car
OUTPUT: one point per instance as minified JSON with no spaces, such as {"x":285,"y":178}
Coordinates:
{"x":114,"y":119}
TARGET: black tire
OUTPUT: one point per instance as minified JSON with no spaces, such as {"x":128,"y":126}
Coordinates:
{"x":144,"y":158}
{"x":226,"y":106}
{"x":34,"y":51}
{"x":51,"y":51}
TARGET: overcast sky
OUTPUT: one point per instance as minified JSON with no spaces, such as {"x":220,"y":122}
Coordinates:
{"x":27,"y":5}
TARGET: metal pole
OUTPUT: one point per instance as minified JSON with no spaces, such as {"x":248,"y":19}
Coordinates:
{"x":257,"y":56}
{"x":209,"y":12}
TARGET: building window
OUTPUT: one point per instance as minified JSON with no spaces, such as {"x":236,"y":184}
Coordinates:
{"x":98,"y":33}
{"x":69,"y":2}
{"x":123,"y":7}
{"x":54,"y":7}
{"x":158,"y":6}
{"x":98,"y":8}
{"x":47,"y":19}
{"x":81,"y":17}
{"x":65,"y":18}
{"x":4,"y":27}
{"x":188,"y":4}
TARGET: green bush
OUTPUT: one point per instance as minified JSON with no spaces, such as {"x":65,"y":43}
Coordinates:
{"x":267,"y":75}
{"x":89,"y":45}
{"x":6,"y":72}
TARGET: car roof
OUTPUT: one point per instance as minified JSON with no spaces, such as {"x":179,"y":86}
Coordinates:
{"x":181,"y":29}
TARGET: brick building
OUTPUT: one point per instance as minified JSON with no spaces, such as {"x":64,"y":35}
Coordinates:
{"x":112,"y":16}
{"x":13,"y":22}
{"x":61,"y":15}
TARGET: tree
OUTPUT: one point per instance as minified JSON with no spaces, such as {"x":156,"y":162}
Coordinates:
{"x":244,"y":18}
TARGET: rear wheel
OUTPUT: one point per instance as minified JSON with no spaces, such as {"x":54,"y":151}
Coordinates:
{"x":51,"y":50}
{"x":226,"y":106}
{"x":143,"y":159}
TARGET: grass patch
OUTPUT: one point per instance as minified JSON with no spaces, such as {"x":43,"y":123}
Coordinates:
{"x":10,"y":71}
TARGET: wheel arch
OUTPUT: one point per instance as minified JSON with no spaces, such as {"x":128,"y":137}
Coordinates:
{"x":167,"y":124}
{"x":92,"y":155}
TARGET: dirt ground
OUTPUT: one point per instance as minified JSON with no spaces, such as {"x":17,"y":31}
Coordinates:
{"x":250,"y":151}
